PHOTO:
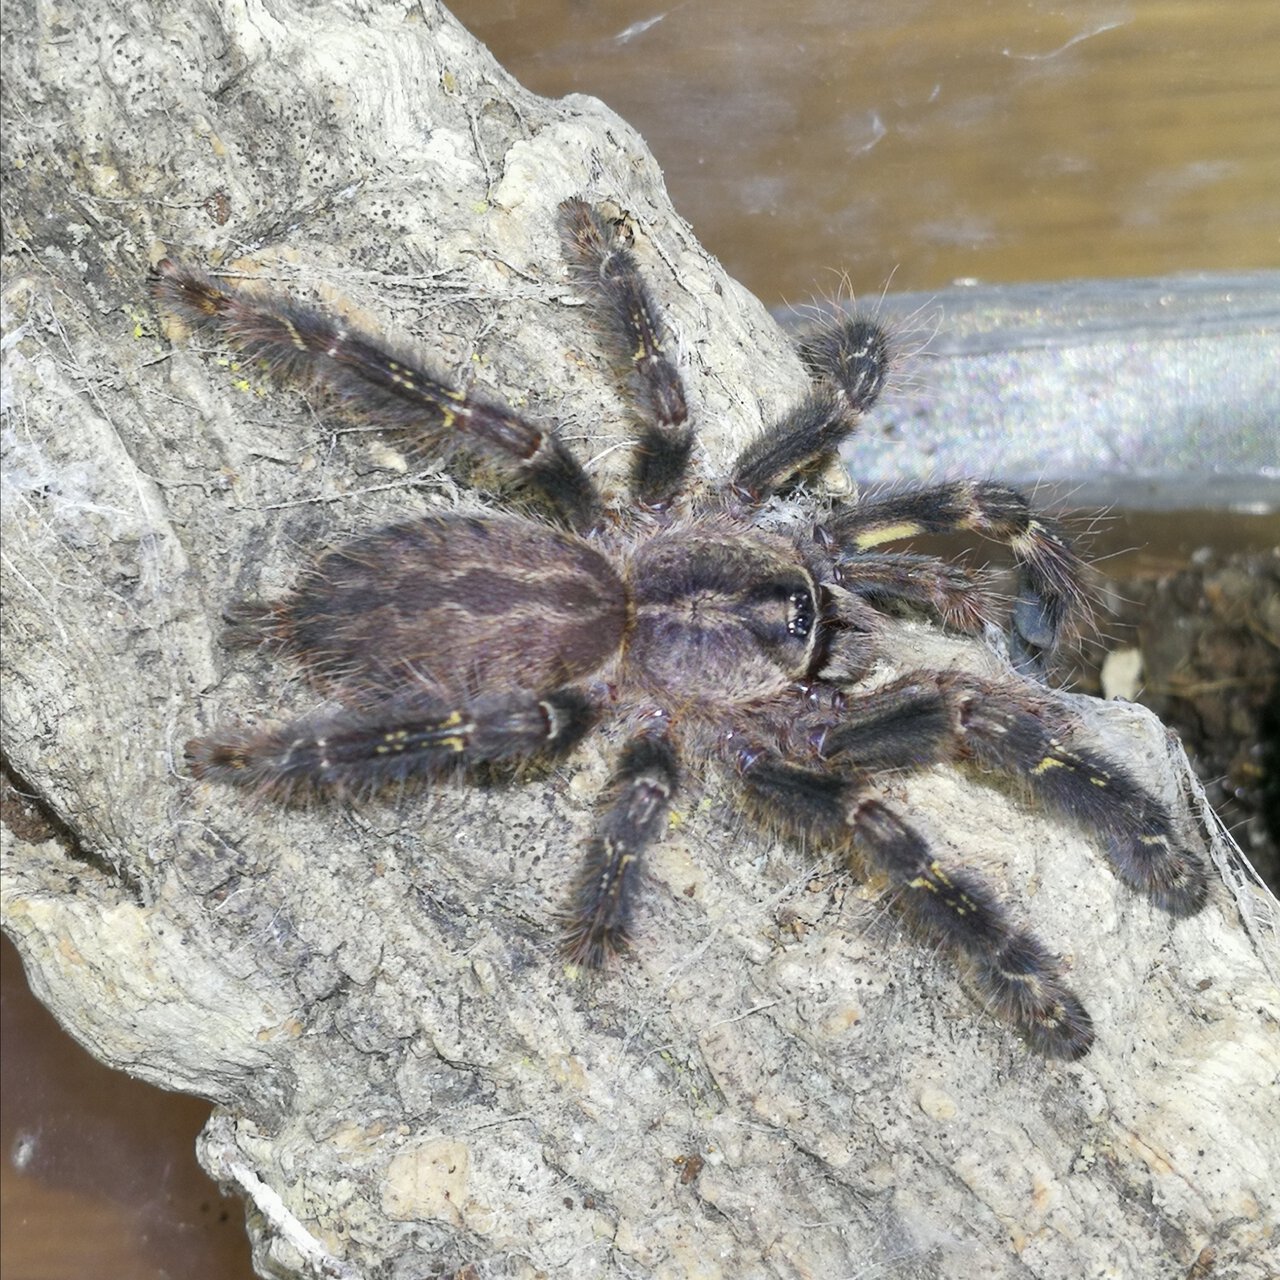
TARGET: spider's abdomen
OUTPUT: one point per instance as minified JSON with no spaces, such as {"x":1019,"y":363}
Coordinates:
{"x":458,"y":605}
{"x":720,"y":617}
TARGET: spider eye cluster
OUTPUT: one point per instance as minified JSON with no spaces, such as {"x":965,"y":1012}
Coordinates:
{"x":801,"y":614}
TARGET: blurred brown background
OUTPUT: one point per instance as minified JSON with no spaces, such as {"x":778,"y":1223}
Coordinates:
{"x":1002,"y":141}
{"x":909,"y":141}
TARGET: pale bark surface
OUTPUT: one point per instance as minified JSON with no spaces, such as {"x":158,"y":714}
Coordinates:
{"x":407,"y":1081}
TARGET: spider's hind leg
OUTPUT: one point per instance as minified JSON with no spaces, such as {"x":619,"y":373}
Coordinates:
{"x":375,"y":386}
{"x":633,"y":328}
{"x":405,"y":738}
{"x":1014,"y":973}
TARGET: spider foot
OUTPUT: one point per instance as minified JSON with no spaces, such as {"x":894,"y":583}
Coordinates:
{"x":1002,"y":732}
{"x":854,"y":356}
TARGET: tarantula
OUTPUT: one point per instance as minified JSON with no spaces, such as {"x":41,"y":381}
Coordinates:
{"x":454,"y":641}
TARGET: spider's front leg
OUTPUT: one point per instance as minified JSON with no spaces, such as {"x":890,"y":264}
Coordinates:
{"x":400,"y":739}
{"x":1014,"y":973}
{"x":961,"y":598}
{"x":1051,"y":594}
{"x":927,"y":718}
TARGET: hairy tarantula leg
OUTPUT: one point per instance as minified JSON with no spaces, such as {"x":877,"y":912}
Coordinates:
{"x":396,"y":741}
{"x":915,"y":722}
{"x":1001,"y":732}
{"x":635,"y":810}
{"x":632,"y":325}
{"x":378,"y":387}
{"x":951,"y":592}
{"x":852,"y":355}
{"x":852,"y":360}
{"x":1051,"y":592}
{"x":1015,"y":974}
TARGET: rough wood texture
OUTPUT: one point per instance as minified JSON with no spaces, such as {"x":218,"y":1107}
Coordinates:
{"x":408,"y":1083}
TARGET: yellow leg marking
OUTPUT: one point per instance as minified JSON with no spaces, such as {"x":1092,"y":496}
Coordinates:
{"x":455,"y":741}
{"x":887,"y":533}
{"x":1050,"y":762}
{"x":934,"y":874}
{"x":936,"y":880}
{"x":401,"y":739}
{"x":1065,"y":761}
{"x":647,"y":343}
{"x":294,"y":336}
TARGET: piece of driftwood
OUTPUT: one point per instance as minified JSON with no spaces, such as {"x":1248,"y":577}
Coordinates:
{"x":408,"y":1083}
